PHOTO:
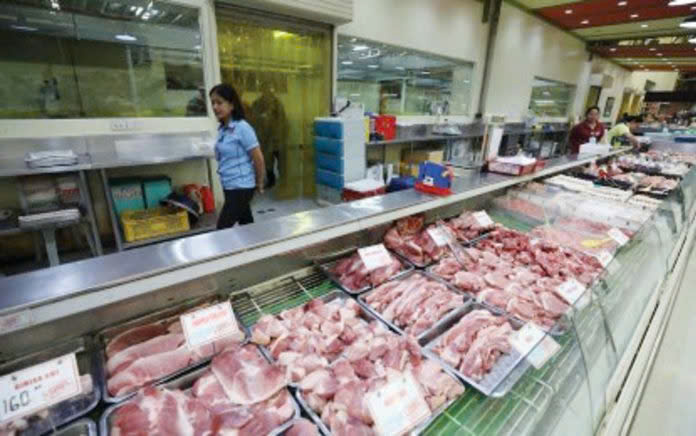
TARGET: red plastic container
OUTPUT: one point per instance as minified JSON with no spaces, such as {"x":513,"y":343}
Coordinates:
{"x":386,"y":126}
{"x":351,"y":195}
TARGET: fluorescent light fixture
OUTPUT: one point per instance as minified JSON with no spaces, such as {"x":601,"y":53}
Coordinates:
{"x":612,"y":49}
{"x":692,"y":40}
{"x":281,"y":34}
{"x":634,"y":15}
{"x":360,"y":48}
{"x":347,"y":62}
{"x":585,"y":22}
{"x":197,"y":47}
{"x":146,"y":16}
{"x":24,"y":28}
{"x":425,"y":72}
{"x":681,"y":2}
{"x":400,"y":68}
{"x":373,"y":66}
{"x":126,"y":37}
{"x":568,"y":11}
{"x":466,"y":81}
{"x":622,"y":3}
{"x":689,"y":23}
{"x":139,"y":11}
{"x":353,"y":39}
{"x":133,"y":8}
{"x":643,"y":26}
{"x":355,"y":95}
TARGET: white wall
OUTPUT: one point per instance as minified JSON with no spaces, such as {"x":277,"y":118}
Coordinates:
{"x":450,"y":28}
{"x":527,"y":47}
{"x":622,"y":81}
{"x":664,"y":81}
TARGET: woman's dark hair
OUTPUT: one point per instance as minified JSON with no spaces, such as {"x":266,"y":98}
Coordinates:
{"x":633,"y":119}
{"x":228,"y":93}
{"x":590,"y":109}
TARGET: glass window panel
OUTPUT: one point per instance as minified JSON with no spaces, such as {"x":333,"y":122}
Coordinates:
{"x":85,"y":59}
{"x":551,"y":98}
{"x":393,"y":80}
{"x":282,"y":70}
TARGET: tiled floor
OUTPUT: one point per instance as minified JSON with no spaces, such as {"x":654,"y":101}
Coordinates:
{"x":667,"y":405}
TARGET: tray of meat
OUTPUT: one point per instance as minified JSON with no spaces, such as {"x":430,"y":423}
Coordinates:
{"x":414,"y":303}
{"x":353,"y":277}
{"x":152,"y":349}
{"x":657,"y":185}
{"x":335,"y":397}
{"x":412,"y":241}
{"x":474,"y":345}
{"x":312,"y":336}
{"x":467,"y":228}
{"x":46,"y":420}
{"x":238,"y":393}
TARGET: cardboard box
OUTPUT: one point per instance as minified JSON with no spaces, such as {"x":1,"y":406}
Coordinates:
{"x":408,"y":169}
{"x":419,"y":156}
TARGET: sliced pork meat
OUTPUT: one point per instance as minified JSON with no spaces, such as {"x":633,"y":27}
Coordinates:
{"x":134,"y":336}
{"x":302,"y":427}
{"x":352,"y":273}
{"x":156,"y":345}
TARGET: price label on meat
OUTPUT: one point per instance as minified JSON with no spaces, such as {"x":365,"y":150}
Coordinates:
{"x":483,"y":219}
{"x":398,"y":406}
{"x":38,"y":387}
{"x":526,"y":338}
{"x":571,"y":291}
{"x":541,"y":354}
{"x":604,"y":258}
{"x":374,"y":256}
{"x":619,"y":236}
{"x":209,"y":324}
{"x":440,"y":236}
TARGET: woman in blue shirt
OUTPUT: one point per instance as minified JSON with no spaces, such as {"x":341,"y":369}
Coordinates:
{"x":238,"y":153}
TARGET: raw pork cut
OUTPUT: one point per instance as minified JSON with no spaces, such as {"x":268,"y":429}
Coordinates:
{"x":353,"y":275}
{"x":156,"y":345}
{"x":134,"y":336}
{"x":302,"y":427}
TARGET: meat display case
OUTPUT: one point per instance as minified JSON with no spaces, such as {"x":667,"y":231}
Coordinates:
{"x":586,"y":388}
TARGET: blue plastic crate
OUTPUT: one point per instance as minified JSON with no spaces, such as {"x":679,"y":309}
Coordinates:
{"x":155,"y":189}
{"x":329,"y":129}
{"x":329,"y":162}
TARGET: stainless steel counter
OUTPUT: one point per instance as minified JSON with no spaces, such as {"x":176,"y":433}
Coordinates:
{"x":218,"y":251}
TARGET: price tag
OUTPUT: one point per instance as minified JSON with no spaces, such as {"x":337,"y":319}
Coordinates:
{"x":604,"y":258}
{"x":546,"y":349}
{"x":374,"y":256}
{"x":526,"y":338}
{"x":209,"y":324}
{"x":38,"y":387}
{"x":398,"y":406}
{"x":440,"y":236}
{"x":619,"y":236}
{"x":483,"y":219}
{"x":571,"y":291}
{"x":15,"y":321}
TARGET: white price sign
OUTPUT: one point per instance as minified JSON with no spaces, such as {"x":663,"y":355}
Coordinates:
{"x":619,"y":236}
{"x":604,"y":258}
{"x":546,"y":349}
{"x":483,"y":219}
{"x":398,"y":406}
{"x":526,"y":338}
{"x":374,"y":256}
{"x":38,"y":387}
{"x":440,"y":236}
{"x":209,"y":324}
{"x":571,"y":291}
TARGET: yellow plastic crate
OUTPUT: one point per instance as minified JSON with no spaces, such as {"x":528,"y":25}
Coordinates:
{"x":150,"y":223}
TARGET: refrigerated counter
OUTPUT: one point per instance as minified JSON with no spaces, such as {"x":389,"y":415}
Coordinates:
{"x":576,"y":392}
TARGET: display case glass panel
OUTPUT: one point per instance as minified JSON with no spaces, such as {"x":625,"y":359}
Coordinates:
{"x":69,"y":59}
{"x":394,"y":80}
{"x":551,"y":98}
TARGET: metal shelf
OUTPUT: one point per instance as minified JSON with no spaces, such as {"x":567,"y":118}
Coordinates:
{"x":420,"y":139}
{"x":206,"y":223}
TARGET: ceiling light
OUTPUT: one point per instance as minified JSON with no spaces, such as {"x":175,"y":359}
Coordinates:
{"x":360,"y":48}
{"x":353,"y":39}
{"x":400,"y":68}
{"x":568,"y":11}
{"x":373,"y":66}
{"x":25,"y":28}
{"x":681,"y":2}
{"x":139,"y":11}
{"x":126,"y":37}
{"x":425,"y":72}
{"x":347,"y":62}
{"x":643,"y":26}
{"x":692,"y":40}
{"x":622,"y":3}
{"x":634,"y":15}
{"x":689,"y":23}
{"x":585,"y":22}
{"x":197,"y":47}
{"x":612,"y":49}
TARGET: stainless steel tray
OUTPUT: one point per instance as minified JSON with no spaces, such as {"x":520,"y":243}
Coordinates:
{"x":184,"y":383}
{"x":83,"y":427}
{"x":366,"y":314}
{"x":161,"y":316}
{"x":505,"y":373}
{"x":73,"y":408}
{"x":327,"y":265}
{"x":464,"y":297}
{"x":416,"y":431}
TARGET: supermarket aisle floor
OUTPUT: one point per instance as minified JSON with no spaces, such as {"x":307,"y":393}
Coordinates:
{"x":667,"y":407}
